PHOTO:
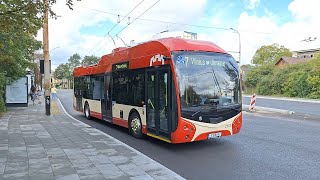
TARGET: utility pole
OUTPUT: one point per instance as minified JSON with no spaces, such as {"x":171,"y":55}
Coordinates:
{"x":47,"y":79}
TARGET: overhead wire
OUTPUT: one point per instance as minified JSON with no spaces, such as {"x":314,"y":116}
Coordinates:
{"x":114,"y":25}
{"x":177,"y":23}
{"x":132,"y":22}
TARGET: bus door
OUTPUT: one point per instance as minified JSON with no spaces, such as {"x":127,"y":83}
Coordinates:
{"x":106,"y":102}
{"x":157,"y":98}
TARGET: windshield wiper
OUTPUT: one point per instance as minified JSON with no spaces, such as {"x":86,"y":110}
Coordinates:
{"x":229,"y":107}
{"x":201,"y":109}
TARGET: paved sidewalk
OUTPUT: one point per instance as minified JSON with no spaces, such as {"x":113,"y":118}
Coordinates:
{"x":35,"y":146}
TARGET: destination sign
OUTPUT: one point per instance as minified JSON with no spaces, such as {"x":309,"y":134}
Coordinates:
{"x":120,"y":66}
{"x":199,"y":61}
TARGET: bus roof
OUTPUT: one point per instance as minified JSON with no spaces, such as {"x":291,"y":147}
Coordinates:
{"x":122,"y":54}
{"x":179,"y":44}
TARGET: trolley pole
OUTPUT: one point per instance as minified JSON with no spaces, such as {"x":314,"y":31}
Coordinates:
{"x":47,"y":81}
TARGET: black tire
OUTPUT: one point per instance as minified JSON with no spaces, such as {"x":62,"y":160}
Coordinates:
{"x":87,"y":111}
{"x":135,"y":125}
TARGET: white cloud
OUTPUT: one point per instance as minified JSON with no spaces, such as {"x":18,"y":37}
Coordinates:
{"x":305,"y":10}
{"x":264,"y":30}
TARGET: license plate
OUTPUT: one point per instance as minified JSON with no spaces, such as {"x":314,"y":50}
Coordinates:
{"x":214,"y":135}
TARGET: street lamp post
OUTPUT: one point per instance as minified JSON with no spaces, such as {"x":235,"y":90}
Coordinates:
{"x":236,"y":31}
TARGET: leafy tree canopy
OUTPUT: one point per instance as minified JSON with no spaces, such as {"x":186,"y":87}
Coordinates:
{"x":74,"y":60}
{"x":270,"y":54}
{"x":19,"y":23}
{"x":62,"y":71}
{"x":90,"y":60}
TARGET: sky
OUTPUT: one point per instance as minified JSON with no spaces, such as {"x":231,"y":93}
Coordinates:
{"x":88,"y":28}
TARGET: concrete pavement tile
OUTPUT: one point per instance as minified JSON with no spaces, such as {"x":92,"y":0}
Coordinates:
{"x":85,"y":146}
{"x":64,"y":172}
{"x":91,"y":152}
{"x":120,"y":178}
{"x":119,"y":159}
{"x":99,"y":159}
{"x":61,"y":166}
{"x":73,"y":151}
{"x":160,"y":174}
{"x":36,"y":153}
{"x":50,"y":145}
{"x":41,"y":176}
{"x":2,"y":167}
{"x":81,"y":164}
{"x":17,"y":149}
{"x":109,"y":152}
{"x":88,"y":171}
{"x":25,"y":128}
{"x":16,"y":176}
{"x":110,"y":170}
{"x":132,"y":169}
{"x":67,"y":177}
{"x":41,"y":165}
{"x":77,"y":156}
{"x":139,"y":159}
{"x":143,"y":177}
{"x":92,"y":177}
{"x":4,"y":141}
{"x":55,"y":152}
{"x":59,"y":160}
{"x":15,"y":167}
{"x":150,"y":167}
{"x":4,"y":147}
{"x":122,"y":149}
{"x":100,"y":145}
{"x":4,"y":153}
{"x":66,"y":145}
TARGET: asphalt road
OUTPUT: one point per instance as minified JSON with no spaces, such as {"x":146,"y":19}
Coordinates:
{"x":268,"y":147}
{"x":298,"y":107}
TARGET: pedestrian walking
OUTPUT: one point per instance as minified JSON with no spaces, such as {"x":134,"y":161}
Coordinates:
{"x":54,"y":92}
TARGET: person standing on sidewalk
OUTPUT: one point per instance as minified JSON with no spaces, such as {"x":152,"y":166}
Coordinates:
{"x":33,"y":93}
{"x":54,"y":92}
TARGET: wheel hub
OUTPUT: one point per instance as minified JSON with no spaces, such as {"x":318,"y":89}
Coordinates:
{"x":135,"y":124}
{"x":87,"y":112}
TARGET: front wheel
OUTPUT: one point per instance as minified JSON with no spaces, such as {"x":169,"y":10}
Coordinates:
{"x":87,"y":111}
{"x":135,"y":125}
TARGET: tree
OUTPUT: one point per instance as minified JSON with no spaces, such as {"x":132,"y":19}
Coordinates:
{"x":62,"y":71}
{"x":19,"y":24}
{"x":16,"y":52}
{"x":74,"y":61}
{"x":90,"y":60}
{"x":270,"y":54}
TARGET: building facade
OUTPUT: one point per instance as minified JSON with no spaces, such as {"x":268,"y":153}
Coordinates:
{"x":308,"y":53}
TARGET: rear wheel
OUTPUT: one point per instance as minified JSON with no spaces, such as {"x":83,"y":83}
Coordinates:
{"x":87,"y":111}
{"x":135,"y":125}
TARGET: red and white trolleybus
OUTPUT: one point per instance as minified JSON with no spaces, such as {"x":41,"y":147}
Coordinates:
{"x":173,"y":89}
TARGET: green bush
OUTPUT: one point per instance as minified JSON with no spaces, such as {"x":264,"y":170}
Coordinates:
{"x":296,"y":85}
{"x":314,"y":78}
{"x":298,"y":80}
